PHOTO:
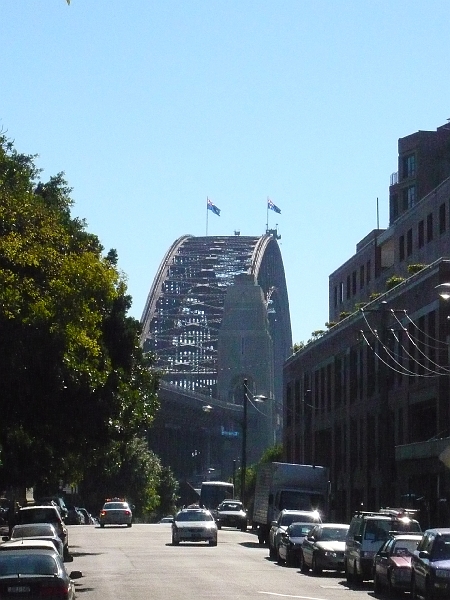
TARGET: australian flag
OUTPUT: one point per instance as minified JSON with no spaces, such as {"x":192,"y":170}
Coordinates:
{"x":272,"y":206}
{"x":213,"y":207}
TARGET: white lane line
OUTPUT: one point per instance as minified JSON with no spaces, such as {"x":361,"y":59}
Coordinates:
{"x":290,"y":596}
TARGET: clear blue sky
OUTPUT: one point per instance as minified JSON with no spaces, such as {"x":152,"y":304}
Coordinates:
{"x":149,"y":107}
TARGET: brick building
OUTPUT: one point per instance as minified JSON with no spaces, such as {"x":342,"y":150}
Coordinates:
{"x":370,"y":398}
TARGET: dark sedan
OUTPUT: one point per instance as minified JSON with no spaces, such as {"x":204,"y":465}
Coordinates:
{"x":392,"y":563}
{"x":35,"y":574}
{"x":430,"y":565}
{"x":323,"y":548}
{"x":289,"y":548}
{"x":231,"y":513}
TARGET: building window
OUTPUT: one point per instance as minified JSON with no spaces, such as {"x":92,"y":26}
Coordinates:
{"x":368,"y":271}
{"x":421,"y":233}
{"x":341,"y":292}
{"x":430,"y":227}
{"x":442,"y":218}
{"x":409,"y":166}
{"x":354,"y":282}
{"x":361,"y":276}
{"x":335,"y":296}
{"x":401,"y":247}
{"x":409,"y":242}
{"x":349,"y":287}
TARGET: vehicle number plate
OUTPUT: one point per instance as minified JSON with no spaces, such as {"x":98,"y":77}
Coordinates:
{"x":19,"y":589}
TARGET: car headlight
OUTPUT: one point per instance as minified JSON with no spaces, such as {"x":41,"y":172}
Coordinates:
{"x":442,"y":573}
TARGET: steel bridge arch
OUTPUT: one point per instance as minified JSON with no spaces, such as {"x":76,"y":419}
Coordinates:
{"x":183,"y":311}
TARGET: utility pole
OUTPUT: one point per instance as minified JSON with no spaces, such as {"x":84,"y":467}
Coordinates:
{"x":244,"y":444}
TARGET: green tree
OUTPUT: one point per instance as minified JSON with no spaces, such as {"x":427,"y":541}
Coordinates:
{"x":74,"y":380}
{"x":129,"y":470}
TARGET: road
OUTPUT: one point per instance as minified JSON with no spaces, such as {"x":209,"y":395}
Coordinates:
{"x":139,"y":562}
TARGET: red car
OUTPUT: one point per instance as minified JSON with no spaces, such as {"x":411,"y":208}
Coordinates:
{"x":392,"y":563}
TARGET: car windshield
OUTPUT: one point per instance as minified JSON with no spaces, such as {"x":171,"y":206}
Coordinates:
{"x":441,"y":549}
{"x":288,"y":519}
{"x":300,"y":529}
{"x":27,"y":564}
{"x":404,"y":547}
{"x":195,"y":515}
{"x":337,"y":534}
{"x":36,"y":529}
{"x":39,"y":515}
{"x":115,"y":505}
{"x":230,"y":506}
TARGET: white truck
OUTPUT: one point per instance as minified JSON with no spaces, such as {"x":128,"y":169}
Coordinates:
{"x":288,"y":486}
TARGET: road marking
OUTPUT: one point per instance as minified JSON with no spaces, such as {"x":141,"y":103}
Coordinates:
{"x":291,"y":596}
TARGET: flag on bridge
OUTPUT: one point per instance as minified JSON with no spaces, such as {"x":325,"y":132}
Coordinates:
{"x":272,"y":206}
{"x":213,"y":207}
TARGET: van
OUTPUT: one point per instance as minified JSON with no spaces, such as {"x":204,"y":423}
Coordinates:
{"x":366,"y":534}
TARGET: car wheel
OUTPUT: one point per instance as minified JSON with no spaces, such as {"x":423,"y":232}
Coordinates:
{"x":213,"y":542}
{"x":175,"y":542}
{"x":289,"y":561}
{"x":244,"y":527}
{"x":315,"y":567}
{"x":272,"y":552}
{"x":376,"y":584}
{"x":350,"y":577}
{"x":219,"y":526}
{"x":303,"y":566}
{"x":428,"y":595}
{"x":102,"y":525}
{"x":391,"y":589}
{"x":129,"y":524}
{"x":66,"y":553}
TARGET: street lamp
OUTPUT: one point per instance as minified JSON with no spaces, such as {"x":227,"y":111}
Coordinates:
{"x":244,"y":437}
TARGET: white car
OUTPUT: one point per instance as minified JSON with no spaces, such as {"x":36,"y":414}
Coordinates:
{"x":194,"y":525}
{"x":116,"y":512}
{"x":36,"y":531}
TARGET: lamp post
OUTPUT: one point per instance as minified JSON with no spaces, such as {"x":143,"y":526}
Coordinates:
{"x":244,"y":436}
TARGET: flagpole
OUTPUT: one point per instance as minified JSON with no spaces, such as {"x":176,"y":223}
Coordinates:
{"x":206,"y":216}
{"x":267,"y":215}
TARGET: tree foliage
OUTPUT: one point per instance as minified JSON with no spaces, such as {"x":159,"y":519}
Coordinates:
{"x":74,"y":380}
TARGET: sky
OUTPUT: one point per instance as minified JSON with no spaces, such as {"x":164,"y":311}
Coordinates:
{"x":151,"y":107}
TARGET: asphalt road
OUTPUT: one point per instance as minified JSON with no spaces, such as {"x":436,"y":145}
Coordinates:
{"x":140,"y":563}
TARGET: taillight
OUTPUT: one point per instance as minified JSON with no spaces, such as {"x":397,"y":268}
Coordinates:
{"x":102,"y":513}
{"x":55,"y":591}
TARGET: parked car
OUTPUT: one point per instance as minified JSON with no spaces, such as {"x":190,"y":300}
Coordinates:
{"x":74,"y":516}
{"x":285,"y":518}
{"x":56,"y":501}
{"x":35,"y":573}
{"x":289,"y":548}
{"x":116,"y":512}
{"x":168,"y":519}
{"x":430,"y":565}
{"x":46,"y":514}
{"x":392,"y":563}
{"x":194,"y":525}
{"x":323,"y":548}
{"x":88,"y":518}
{"x":37,"y":531}
{"x":231,"y":513}
{"x":366,"y":534}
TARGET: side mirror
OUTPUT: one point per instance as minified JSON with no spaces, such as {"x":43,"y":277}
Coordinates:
{"x":75,"y":574}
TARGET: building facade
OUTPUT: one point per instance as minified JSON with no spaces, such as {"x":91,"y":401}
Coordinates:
{"x":370,"y":398}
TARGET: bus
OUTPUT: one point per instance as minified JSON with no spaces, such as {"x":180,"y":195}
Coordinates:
{"x":213,"y":492}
